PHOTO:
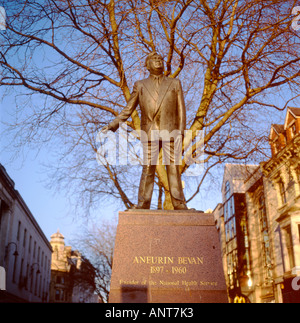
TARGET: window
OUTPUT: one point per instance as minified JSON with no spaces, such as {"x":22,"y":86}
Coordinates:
{"x":60,"y":280}
{"x":232,"y":206}
{"x":232,"y":264}
{"x":34,"y":249}
{"x":29,"y":245}
{"x":24,"y":238}
{"x":232,"y":228}
{"x":289,"y":246}
{"x":298,"y":174}
{"x":57,"y":294}
{"x":275,"y":150}
{"x":229,"y":210}
{"x":246,"y":254}
{"x":265,"y":237}
{"x":282,"y":192}
{"x":263,"y":213}
{"x":293,"y":130}
{"x":230,"y":224}
{"x":227,"y":190}
{"x":231,"y":237}
{"x":277,"y":145}
{"x":230,"y":213}
{"x":19,"y":228}
{"x":226,"y":212}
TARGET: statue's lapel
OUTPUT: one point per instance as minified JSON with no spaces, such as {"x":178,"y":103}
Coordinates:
{"x":149,"y":86}
{"x":164,"y":87}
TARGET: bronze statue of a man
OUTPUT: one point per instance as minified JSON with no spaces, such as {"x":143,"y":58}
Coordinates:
{"x":163,"y":121}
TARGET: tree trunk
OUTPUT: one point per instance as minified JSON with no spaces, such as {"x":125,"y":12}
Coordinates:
{"x":168,"y":201}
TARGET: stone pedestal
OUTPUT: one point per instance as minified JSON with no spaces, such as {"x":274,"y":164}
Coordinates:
{"x":167,"y":257}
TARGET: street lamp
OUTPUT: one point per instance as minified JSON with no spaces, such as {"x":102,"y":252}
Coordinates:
{"x":6,"y":250}
{"x":250,"y":282}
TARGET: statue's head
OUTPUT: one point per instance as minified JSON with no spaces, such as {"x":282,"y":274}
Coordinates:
{"x":155,"y":63}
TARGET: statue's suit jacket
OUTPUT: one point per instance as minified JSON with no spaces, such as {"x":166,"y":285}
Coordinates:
{"x":162,"y":111}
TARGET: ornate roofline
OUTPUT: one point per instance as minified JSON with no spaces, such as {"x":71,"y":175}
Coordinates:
{"x":291,"y":149}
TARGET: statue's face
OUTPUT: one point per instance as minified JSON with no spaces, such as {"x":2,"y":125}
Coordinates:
{"x":156,"y":65}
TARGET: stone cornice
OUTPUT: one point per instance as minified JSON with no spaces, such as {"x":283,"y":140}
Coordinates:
{"x":288,"y":152}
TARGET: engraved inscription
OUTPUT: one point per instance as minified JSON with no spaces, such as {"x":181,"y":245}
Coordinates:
{"x":178,"y":283}
{"x":149,"y":260}
{"x":170,"y":272}
{"x":159,"y":264}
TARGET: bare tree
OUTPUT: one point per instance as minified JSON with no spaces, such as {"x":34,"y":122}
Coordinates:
{"x":74,"y":64}
{"x":96,"y":242}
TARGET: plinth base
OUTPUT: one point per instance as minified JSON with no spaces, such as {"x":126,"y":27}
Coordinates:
{"x":167,"y":257}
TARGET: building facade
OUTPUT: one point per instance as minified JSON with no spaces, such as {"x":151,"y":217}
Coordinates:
{"x":259,"y":221}
{"x":232,"y":220}
{"x":25,"y":252}
{"x":69,"y":277}
{"x":281,"y":175}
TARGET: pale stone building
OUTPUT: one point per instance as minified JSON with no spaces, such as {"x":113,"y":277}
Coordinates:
{"x":68,"y":284}
{"x":282,"y":187}
{"x":25,"y":252}
{"x":259,"y":221}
